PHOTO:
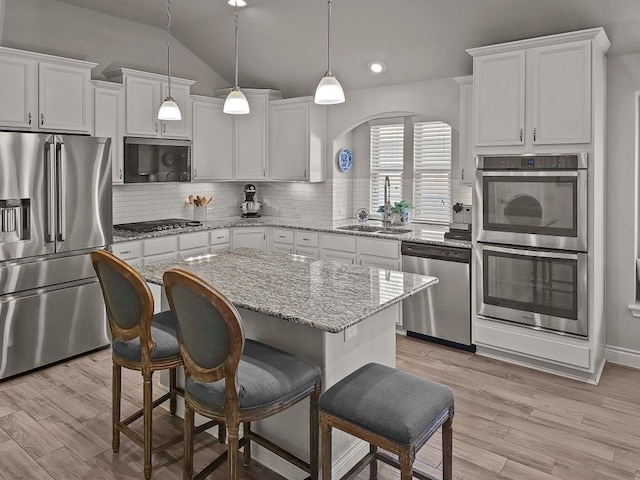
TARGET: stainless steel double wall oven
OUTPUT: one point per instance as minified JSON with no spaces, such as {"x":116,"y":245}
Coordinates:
{"x":532,"y":213}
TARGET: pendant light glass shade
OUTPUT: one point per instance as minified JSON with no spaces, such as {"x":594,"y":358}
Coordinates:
{"x":329,"y":90}
{"x":236,"y":103}
{"x":169,"y":109}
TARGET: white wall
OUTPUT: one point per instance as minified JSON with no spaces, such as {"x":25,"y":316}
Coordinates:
{"x":622,"y":222}
{"x":55,"y":28}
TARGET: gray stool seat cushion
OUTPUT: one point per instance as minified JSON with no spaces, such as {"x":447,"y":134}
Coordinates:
{"x":164,"y":334}
{"x":394,"y":404}
{"x":266,"y":375}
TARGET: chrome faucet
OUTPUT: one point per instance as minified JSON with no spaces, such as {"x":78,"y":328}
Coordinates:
{"x":386,"y":215}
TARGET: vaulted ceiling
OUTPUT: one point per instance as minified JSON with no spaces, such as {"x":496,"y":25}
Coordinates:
{"x":283,"y":43}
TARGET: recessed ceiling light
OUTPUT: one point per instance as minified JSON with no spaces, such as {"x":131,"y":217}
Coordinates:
{"x":377,"y":67}
{"x":239,"y":3}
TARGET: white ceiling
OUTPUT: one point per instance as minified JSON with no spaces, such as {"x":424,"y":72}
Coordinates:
{"x":283,"y":42}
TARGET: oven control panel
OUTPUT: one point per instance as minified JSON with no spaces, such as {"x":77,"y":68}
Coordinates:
{"x":531,"y":162}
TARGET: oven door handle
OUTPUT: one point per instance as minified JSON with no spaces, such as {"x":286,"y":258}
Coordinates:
{"x":529,"y":173}
{"x":532,"y":253}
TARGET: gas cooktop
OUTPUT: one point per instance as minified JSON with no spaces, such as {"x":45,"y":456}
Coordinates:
{"x":157,"y":225}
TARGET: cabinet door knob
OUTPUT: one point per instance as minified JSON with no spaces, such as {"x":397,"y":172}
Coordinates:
{"x":120,"y":173}
{"x":305,"y":173}
{"x":156,"y":127}
{"x":164,"y":128}
{"x":521,"y":132}
{"x":195,"y":172}
{"x":29,"y":118}
{"x":42,"y":119}
{"x":534,"y":134}
{"x":462,"y":174}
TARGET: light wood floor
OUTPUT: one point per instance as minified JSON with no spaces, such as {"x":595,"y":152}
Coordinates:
{"x":510,"y":423}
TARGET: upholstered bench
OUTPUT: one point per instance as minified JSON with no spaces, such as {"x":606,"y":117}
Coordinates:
{"x":392,"y":410}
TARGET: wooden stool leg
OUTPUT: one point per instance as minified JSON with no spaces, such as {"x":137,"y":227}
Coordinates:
{"x":447,"y":450}
{"x":222,"y":432}
{"x":406,"y":464}
{"x":314,"y":426}
{"x":325,"y":431}
{"x":173,"y":404}
{"x":246,"y":431}
{"x":232,"y":447}
{"x":373,"y":466}
{"x":116,"y":389}
{"x":147,"y":418}
{"x":188,"y":443}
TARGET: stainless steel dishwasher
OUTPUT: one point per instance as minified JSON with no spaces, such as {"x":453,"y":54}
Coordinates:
{"x":441,"y":313}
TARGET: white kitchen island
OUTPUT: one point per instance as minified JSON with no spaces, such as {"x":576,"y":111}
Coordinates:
{"x":337,"y":316}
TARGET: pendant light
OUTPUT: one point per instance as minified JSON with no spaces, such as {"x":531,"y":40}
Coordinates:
{"x":329,"y":90}
{"x":236,"y":103}
{"x":169,"y":109}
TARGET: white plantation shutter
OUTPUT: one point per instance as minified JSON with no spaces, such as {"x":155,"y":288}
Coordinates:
{"x":387,"y":144}
{"x":432,"y":172}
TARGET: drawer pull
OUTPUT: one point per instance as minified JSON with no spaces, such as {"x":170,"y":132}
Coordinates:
{"x":282,"y":236}
{"x":220,"y":237}
{"x":124,"y":252}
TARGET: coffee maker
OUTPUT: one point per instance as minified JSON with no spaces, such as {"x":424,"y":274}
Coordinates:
{"x":250,"y":207}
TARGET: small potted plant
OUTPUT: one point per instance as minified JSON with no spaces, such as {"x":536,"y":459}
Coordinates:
{"x":399,"y":211}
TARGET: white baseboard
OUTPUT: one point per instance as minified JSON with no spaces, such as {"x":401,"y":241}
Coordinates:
{"x":623,"y":356}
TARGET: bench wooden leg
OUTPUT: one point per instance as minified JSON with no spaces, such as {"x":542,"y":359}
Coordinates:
{"x":116,"y":389}
{"x":373,"y":466}
{"x":447,"y":450}
{"x":314,"y":427}
{"x":406,"y":464}
{"x":147,"y":419}
{"x":188,"y":443}
{"x":173,"y":404}
{"x":246,"y":431}
{"x":325,"y":431}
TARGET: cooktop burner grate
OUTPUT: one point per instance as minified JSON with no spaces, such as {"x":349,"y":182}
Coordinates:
{"x":157,"y":225}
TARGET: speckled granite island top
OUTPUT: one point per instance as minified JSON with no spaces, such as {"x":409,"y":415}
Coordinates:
{"x":321,"y":294}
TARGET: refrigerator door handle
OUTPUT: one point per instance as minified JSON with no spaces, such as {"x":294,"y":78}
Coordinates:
{"x":60,"y":175}
{"x":50,"y":190}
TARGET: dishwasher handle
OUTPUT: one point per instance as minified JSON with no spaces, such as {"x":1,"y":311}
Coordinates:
{"x":437,"y":252}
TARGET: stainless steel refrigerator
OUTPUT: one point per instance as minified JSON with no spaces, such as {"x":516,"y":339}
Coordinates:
{"x":55,"y":207}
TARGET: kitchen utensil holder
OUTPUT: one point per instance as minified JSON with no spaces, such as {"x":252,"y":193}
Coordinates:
{"x":200,"y":213}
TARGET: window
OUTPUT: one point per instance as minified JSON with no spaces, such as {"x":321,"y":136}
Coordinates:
{"x":387,"y":145}
{"x":432,"y":172}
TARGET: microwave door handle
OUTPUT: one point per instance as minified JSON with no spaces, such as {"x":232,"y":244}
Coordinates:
{"x":62,"y":191}
{"x":531,"y":253}
{"x":50,"y":190}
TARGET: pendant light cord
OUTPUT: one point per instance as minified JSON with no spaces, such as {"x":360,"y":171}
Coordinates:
{"x":329,"y":42}
{"x":235,"y":13}
{"x":169,"y":45}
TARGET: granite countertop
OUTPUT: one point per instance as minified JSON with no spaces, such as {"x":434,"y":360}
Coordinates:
{"x":419,"y":232}
{"x":321,"y":294}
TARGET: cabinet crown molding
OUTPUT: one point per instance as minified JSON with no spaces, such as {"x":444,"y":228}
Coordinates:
{"x":107,"y":85}
{"x":119,"y":73}
{"x":463,"y":80}
{"x":271,"y":94}
{"x":596,"y":34}
{"x":46,"y":57}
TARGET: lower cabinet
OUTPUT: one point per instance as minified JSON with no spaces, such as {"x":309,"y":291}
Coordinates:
{"x":250,"y":238}
{"x":377,"y":253}
{"x":339,"y":248}
{"x":219,"y":240}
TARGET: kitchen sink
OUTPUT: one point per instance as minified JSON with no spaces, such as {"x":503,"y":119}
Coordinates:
{"x":374,"y":229}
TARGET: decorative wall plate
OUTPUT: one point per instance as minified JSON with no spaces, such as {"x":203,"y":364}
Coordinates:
{"x":362,"y":215}
{"x":345,"y":159}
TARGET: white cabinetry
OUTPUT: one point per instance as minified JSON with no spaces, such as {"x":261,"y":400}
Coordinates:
{"x":219,"y":240}
{"x":190,"y":244}
{"x":536,"y":92}
{"x":108,"y":102}
{"x":306,"y":244}
{"x":339,"y":248}
{"x":131,"y":252}
{"x":250,"y":135}
{"x":379,"y":253}
{"x":212,"y":150}
{"x":144,"y":93}
{"x":250,"y":237}
{"x":297,"y":130}
{"x":44,"y":93}
{"x":466,"y":159}
{"x":281,"y":240}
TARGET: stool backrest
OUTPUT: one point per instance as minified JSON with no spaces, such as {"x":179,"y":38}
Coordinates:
{"x":211,"y":335}
{"x":127,"y":297}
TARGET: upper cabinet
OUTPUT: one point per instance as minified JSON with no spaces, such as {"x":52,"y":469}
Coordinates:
{"x":212,"y":151}
{"x":250,"y":137}
{"x":44,"y":93}
{"x":466,"y":159}
{"x":537,"y":91}
{"x":144,"y":93}
{"x":108,"y":103}
{"x":297,"y":129}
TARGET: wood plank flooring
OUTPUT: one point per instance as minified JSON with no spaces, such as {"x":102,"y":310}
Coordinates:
{"x":510,"y":423}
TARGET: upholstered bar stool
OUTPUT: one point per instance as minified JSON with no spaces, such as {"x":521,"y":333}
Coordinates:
{"x":392,"y":410}
{"x":233,"y":380}
{"x":141,"y":341}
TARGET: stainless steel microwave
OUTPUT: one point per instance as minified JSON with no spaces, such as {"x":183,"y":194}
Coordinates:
{"x":151,"y":160}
